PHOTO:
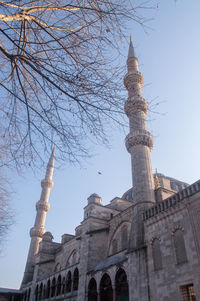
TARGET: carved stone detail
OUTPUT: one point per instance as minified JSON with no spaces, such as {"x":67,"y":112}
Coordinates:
{"x":142,"y":137}
{"x":42,"y":206}
{"x":37,"y":232}
{"x":132,"y":105}
{"x":132,"y":78}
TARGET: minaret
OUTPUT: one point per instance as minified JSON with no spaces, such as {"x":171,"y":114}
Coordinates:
{"x":139,"y":141}
{"x":42,"y":207}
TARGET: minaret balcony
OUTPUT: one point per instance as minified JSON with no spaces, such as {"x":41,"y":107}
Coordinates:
{"x":135,"y":104}
{"x":47,"y":183}
{"x":42,"y":206}
{"x":37,"y":232}
{"x":132,"y":78}
{"x":138,"y":137}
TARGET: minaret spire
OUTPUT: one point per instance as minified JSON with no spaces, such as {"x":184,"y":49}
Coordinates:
{"x":139,"y":141}
{"x":131,"y":51}
{"x":42,"y":207}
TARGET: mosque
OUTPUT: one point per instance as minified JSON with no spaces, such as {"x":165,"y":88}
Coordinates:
{"x":144,"y":246}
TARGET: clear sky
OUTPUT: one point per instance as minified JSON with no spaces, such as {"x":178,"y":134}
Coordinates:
{"x":169,"y":58}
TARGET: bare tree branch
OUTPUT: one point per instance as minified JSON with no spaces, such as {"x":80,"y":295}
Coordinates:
{"x":60,"y":74}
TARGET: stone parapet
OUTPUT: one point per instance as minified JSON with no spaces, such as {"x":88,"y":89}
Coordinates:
{"x":138,"y":104}
{"x":132,"y":78}
{"x":171,"y":201}
{"x":142,"y":137}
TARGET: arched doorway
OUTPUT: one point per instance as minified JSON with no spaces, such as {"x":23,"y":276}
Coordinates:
{"x":48,"y":289}
{"x":75,"y":279}
{"x":92,"y":290}
{"x":29,"y":293}
{"x":36,"y":293}
{"x":40,"y":291}
{"x":63,"y":285}
{"x":53,"y":287}
{"x":106,"y":291}
{"x":25,"y":296}
{"x":58,"y":290}
{"x":68,"y":282}
{"x":121,"y":286}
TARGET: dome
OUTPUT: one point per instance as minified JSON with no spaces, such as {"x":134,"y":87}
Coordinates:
{"x":94,"y":198}
{"x":128,"y":195}
{"x":47,"y":236}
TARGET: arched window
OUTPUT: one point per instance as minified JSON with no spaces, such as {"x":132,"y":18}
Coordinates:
{"x":57,"y":267}
{"x":106,"y":291}
{"x":179,"y":245}
{"x":114,"y":246}
{"x":156,"y":253}
{"x":68,"y":282}
{"x":53,"y":287}
{"x":75,"y":279}
{"x":72,"y":259}
{"x":121,"y":285}
{"x":92,"y":290}
{"x":58,"y":290}
{"x":124,"y":237}
{"x":40,"y":291}
{"x":48,"y":288}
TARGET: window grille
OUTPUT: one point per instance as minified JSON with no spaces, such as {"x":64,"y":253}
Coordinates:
{"x":188,"y":293}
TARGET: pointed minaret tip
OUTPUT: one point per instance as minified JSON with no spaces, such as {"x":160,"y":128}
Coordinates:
{"x":52,"y":157}
{"x":131,"y":51}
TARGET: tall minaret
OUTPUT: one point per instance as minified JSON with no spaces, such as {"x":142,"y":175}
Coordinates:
{"x":42,"y":207}
{"x":139,"y":141}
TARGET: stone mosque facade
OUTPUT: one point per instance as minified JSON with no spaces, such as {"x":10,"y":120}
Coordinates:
{"x":144,"y":246}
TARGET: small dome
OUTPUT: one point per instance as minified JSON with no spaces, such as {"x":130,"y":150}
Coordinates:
{"x":47,"y":236}
{"x":128,"y":195}
{"x":94,"y":198}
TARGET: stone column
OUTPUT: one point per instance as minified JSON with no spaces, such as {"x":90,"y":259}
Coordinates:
{"x":114,"y":292}
{"x":98,"y":295}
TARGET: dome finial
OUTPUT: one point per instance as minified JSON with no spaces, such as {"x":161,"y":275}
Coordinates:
{"x":157,"y":182}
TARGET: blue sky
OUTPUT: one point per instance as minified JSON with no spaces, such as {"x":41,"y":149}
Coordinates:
{"x":169,"y":58}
